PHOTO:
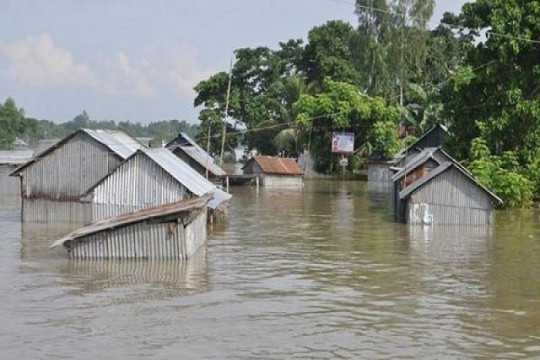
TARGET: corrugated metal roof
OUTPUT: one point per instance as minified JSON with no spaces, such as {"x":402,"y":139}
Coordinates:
{"x":179,"y":170}
{"x":186,"y":144}
{"x":134,"y":217}
{"x":437,"y":154}
{"x":203,"y":160}
{"x":15,"y":157}
{"x":184,"y":139}
{"x":403,"y":152}
{"x":218,"y":197}
{"x":409,"y":190}
{"x":116,"y":140}
{"x":417,"y":161}
{"x":277,"y":165}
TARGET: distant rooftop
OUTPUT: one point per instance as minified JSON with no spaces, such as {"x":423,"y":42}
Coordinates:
{"x":277,"y":165}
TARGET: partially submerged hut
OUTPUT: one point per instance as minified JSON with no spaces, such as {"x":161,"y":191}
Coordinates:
{"x":53,"y":181}
{"x":149,"y":178}
{"x":9,"y":161}
{"x":20,"y":144}
{"x":378,"y":169}
{"x":437,"y":190}
{"x":433,"y":138}
{"x":195,"y":156}
{"x":172,"y":231}
{"x":275,"y":171}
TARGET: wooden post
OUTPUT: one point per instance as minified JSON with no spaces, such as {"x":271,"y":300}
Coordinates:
{"x":227,"y":183}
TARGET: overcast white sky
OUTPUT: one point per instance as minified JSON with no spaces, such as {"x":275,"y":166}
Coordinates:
{"x":138,"y":60}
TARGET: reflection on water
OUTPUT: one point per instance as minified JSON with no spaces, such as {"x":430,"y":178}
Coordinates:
{"x":162,"y":278}
{"x":318,"y":273}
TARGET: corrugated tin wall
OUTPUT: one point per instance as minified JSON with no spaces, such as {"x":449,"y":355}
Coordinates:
{"x":379,"y":173}
{"x":51,"y":211}
{"x":278,"y":181}
{"x":194,"y":233}
{"x":70,"y":170}
{"x":138,"y":183}
{"x":144,"y":240}
{"x":9,"y":185}
{"x":452,"y":198}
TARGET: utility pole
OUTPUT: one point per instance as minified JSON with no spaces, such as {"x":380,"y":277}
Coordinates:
{"x":402,"y":62}
{"x":224,"y":128}
{"x":208,"y":146}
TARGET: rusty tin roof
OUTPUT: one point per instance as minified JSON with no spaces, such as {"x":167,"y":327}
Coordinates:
{"x":278,"y":166}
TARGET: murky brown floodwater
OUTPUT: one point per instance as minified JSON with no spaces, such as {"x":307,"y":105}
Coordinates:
{"x":322,"y":273}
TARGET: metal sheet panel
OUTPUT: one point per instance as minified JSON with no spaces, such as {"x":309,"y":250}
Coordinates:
{"x":69,"y":170}
{"x":282,"y":181}
{"x":277,"y":166}
{"x":118,"y":141}
{"x":379,"y":173}
{"x":184,"y":139}
{"x":181,"y":171}
{"x":218,"y":198}
{"x":9,"y":185}
{"x":144,"y":240}
{"x":452,"y":198}
{"x":203,"y":160}
{"x":15,"y":157}
{"x":138,"y":183}
{"x":39,"y":210}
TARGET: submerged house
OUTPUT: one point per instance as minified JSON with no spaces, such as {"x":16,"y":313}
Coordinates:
{"x":185,"y":148}
{"x":433,"y":138}
{"x":380,"y":169}
{"x":53,"y":181}
{"x":172,"y":231}
{"x":150,"y":178}
{"x":9,"y":161}
{"x":275,"y":171}
{"x":434,"y":189}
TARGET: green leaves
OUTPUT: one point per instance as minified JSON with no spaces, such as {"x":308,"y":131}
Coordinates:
{"x":12,"y":123}
{"x":341,"y":106}
{"x":501,"y":174}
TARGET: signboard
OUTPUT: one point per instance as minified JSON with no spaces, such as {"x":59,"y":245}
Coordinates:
{"x":342,"y":142}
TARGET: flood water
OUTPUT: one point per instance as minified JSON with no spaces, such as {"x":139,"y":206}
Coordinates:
{"x":321,"y":273}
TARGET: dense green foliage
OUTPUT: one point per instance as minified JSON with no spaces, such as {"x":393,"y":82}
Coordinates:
{"x":347,"y":109}
{"x":14,"y":124}
{"x":501,"y":174}
{"x":495,"y":98}
{"x":477,"y":73}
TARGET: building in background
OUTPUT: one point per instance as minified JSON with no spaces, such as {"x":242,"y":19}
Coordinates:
{"x":379,"y":168}
{"x":275,"y":171}
{"x":9,"y":161}
{"x":185,"y":148}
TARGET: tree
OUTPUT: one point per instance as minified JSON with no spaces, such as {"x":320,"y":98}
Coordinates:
{"x":341,"y":106}
{"x":493,"y":98}
{"x":498,"y":99}
{"x":329,"y":54}
{"x":394,"y":33}
{"x":11,"y":123}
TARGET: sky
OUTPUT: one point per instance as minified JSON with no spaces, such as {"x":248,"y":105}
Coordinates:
{"x":139,"y":60}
